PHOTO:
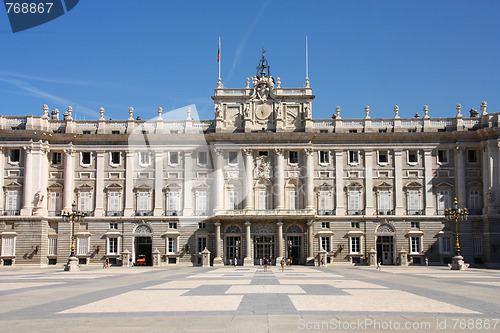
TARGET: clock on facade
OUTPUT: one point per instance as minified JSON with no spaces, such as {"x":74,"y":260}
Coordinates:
{"x":263,"y":111}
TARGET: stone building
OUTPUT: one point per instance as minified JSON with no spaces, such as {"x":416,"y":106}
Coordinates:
{"x":263,"y":179}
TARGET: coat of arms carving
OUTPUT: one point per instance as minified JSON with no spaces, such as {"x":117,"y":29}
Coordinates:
{"x":262,"y":167}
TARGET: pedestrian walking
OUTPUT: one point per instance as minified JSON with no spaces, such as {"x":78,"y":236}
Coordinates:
{"x":235,"y":261}
{"x":266,"y":262}
{"x":260,"y":261}
{"x":230,"y":262}
{"x":282,"y":264}
{"x":379,"y":264}
{"x":426,"y":262}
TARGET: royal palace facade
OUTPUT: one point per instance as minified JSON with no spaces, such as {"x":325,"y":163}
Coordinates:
{"x":263,"y":179}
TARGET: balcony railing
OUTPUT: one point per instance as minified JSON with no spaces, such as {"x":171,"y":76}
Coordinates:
{"x":173,"y":213}
{"x":114,"y":213}
{"x":10,"y":212}
{"x":266,"y":212}
{"x":201,"y":212}
{"x":415,"y":212}
{"x":143,"y":213}
{"x":88,"y":212}
{"x":385,"y":212}
{"x":355,"y":212}
{"x":326,"y":212}
{"x":54,"y":213}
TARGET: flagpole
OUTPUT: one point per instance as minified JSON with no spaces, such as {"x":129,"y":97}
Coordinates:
{"x":307,"y":61}
{"x":219,"y":58}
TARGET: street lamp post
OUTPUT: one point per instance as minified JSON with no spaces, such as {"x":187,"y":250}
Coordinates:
{"x":457,"y":214}
{"x":74,"y":215}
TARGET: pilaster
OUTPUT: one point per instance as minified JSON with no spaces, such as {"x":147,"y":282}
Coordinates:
{"x":460,"y":176}
{"x":69,"y":178}
{"x":158,"y":184}
{"x":309,"y":178}
{"x":339,"y":182}
{"x":219,"y":180}
{"x":428,"y":172}
{"x":129,"y":184}
{"x":369,"y":206}
{"x":249,"y":204}
{"x":280,"y":179}
{"x":99,"y":184}
{"x":398,"y":181}
{"x":28,"y":181}
{"x":187,"y":189}
{"x":2,"y":175}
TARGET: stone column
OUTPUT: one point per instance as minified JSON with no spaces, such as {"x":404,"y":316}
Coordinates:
{"x":280,"y":179}
{"x":158,"y":189}
{"x":310,"y":238}
{"x":339,"y":183}
{"x":280,"y":242}
{"x":2,"y":161}
{"x":99,"y":185}
{"x":429,"y":198}
{"x":309,"y":178}
{"x":44,"y":180}
{"x":219,"y":180}
{"x":460,"y":176}
{"x":493,"y":177}
{"x":249,"y":204}
{"x":187,"y":189}
{"x":218,"y":259}
{"x":69,"y":178}
{"x":28,"y":182}
{"x":248,"y":245}
{"x":398,"y":182}
{"x":129,"y":184}
{"x":369,"y":204}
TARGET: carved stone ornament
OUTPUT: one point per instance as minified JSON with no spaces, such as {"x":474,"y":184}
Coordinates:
{"x":143,"y":229}
{"x":262,"y":91}
{"x":262,"y":167}
{"x":294,"y":229}
{"x":262,"y":229}
{"x":218,"y":112}
{"x":233,"y":229}
{"x":233,"y":174}
{"x":385,"y":228}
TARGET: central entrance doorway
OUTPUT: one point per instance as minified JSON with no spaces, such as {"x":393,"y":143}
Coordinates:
{"x":233,"y":250}
{"x":294,"y":249}
{"x":385,"y":249}
{"x":143,"y":250}
{"x":264,"y":248}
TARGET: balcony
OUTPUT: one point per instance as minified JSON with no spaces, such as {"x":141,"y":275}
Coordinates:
{"x":415,"y":212}
{"x":143,"y":213}
{"x":10,"y":212}
{"x":201,"y":212}
{"x":355,"y":212}
{"x":385,"y":212}
{"x":114,"y":213}
{"x":326,"y":212}
{"x":265,"y":212}
{"x":88,"y":212}
{"x":173,"y":213}
{"x":54,"y":213}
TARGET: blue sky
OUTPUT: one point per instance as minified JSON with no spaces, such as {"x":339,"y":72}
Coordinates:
{"x":147,"y":54}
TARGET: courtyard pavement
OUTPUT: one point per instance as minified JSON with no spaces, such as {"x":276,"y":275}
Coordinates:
{"x":337,"y":298}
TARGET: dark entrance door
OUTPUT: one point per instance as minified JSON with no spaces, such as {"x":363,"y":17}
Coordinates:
{"x":233,"y":249}
{"x":264,"y":248}
{"x":294,"y":249}
{"x":144,"y":247}
{"x":385,"y":250}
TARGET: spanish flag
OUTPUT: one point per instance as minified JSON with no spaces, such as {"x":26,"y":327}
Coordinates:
{"x":218,"y":54}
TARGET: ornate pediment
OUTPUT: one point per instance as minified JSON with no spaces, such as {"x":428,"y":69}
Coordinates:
{"x":262,"y":167}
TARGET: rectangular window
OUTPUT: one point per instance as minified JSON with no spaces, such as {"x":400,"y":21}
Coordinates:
{"x":174,"y":157}
{"x":263,"y":198}
{"x":202,"y":225}
{"x":325,"y":202}
{"x":443,"y":201}
{"x":114,"y":202}
{"x":412,"y":156}
{"x":202,"y":158}
{"x":143,"y":201}
{"x":113,"y":226}
{"x":233,"y":157}
{"x":202,"y":244}
{"x":84,"y":202}
{"x":56,"y":158}
{"x":113,"y":245}
{"x":325,"y":243}
{"x":15,"y":155}
{"x":144,"y":158}
{"x":415,"y":244}
{"x":54,"y":203}
{"x":355,"y":244}
{"x":355,"y":225}
{"x":263,"y":153}
{"x":446,"y":245}
{"x":173,"y":202}
{"x":354,"y":202}
{"x":201,"y":203}
{"x":82,"y":244}
{"x":383,"y":156}
{"x":413,"y":202}
{"x":474,"y":202}
{"x":384,"y":202}
{"x":85,"y":158}
{"x":324,"y":156}
{"x":172,"y":245}
{"x":12,"y":201}
{"x":232,"y":199}
{"x":353,"y":156}
{"x":293,"y":157}
{"x":472,"y":156}
{"x":477,"y":243}
{"x":293,"y":200}
{"x":52,"y":246}
{"x":115,"y":157}
{"x":86,"y":132}
{"x":8,"y":246}
{"x":115,"y":132}
{"x":415,"y":225}
{"x":442,"y":156}
{"x":325,"y":225}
